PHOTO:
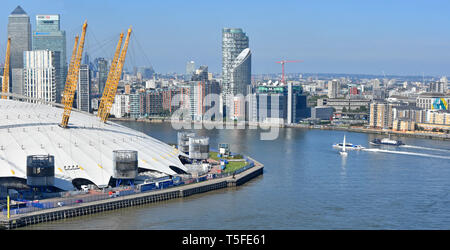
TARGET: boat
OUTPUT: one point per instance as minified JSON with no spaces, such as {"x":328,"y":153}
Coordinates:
{"x":348,"y":146}
{"x":386,"y":141}
{"x":343,"y":152}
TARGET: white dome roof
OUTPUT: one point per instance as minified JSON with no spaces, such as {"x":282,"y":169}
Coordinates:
{"x":88,"y":144}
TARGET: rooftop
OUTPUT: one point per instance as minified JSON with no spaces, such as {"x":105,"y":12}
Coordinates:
{"x":18,"y":11}
{"x":84,"y":150}
{"x":431,"y":94}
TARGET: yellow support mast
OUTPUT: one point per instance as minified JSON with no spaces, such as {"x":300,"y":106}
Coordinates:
{"x":5,"y":87}
{"x":112,"y":71}
{"x":70,"y":70}
{"x":72,"y":80}
{"x":113,"y":87}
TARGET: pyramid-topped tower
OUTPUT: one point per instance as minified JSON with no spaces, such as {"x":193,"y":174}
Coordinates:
{"x":18,"y":11}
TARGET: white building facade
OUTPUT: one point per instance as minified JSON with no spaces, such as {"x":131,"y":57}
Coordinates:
{"x":39,"y":75}
{"x":121,"y":106}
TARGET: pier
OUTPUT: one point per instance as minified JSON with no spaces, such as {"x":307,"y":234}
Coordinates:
{"x":52,"y":214}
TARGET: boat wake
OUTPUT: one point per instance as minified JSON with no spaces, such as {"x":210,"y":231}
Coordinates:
{"x":425,"y":148}
{"x":376,"y":150}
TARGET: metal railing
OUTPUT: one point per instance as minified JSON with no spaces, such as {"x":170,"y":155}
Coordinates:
{"x":74,"y":198}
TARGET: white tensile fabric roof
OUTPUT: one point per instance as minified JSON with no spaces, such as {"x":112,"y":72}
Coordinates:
{"x":84,"y":150}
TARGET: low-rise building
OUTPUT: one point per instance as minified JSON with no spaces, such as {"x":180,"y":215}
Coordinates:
{"x":321,"y":113}
{"x":340,"y":103}
{"x":409,"y":112}
{"x":403,"y":125}
{"x":438,"y":117}
{"x":283,"y":104}
{"x":434,"y":101}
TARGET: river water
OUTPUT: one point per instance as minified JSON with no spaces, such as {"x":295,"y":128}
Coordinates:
{"x":306,"y":185}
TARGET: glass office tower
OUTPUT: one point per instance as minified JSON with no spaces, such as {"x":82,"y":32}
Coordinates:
{"x":102,"y":67}
{"x":19,"y":30}
{"x":48,"y":36}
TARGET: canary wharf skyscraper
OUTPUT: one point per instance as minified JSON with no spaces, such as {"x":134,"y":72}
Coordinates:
{"x":234,"y":42}
{"x":19,"y":30}
{"x":48,"y":36}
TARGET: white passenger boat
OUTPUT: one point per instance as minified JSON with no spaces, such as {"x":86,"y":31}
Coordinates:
{"x":348,"y":146}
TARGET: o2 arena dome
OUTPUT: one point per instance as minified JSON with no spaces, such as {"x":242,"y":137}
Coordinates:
{"x":82,"y":153}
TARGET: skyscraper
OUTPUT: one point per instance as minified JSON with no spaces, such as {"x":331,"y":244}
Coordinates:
{"x":19,"y":29}
{"x":241,"y":73}
{"x":235,"y":73}
{"x":39,"y":74}
{"x":190,"y":70}
{"x":48,"y":36}
{"x":102,"y":67}
{"x":240,"y":80}
{"x":84,"y":89}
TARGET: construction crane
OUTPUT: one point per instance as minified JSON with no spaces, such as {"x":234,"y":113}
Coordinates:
{"x":5,"y":87}
{"x":70,"y":70}
{"x":282,"y":67}
{"x":112,"y":89}
{"x":72,"y":79}
{"x":111,"y":75}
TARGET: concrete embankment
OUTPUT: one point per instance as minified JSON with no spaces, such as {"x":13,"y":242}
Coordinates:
{"x":87,"y":208}
{"x":433,"y":136}
{"x":424,"y":135}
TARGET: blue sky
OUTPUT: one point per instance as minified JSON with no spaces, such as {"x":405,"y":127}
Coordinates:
{"x":397,"y":37}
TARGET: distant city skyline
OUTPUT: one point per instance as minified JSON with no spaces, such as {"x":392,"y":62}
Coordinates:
{"x":353,"y":37}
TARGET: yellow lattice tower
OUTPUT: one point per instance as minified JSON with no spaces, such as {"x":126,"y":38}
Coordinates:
{"x":70,"y":70}
{"x":112,"y":71}
{"x":5,"y":87}
{"x":113,"y":87}
{"x":72,"y":80}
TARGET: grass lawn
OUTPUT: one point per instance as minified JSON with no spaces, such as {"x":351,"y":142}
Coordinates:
{"x":232,"y":165}
{"x":213,"y":155}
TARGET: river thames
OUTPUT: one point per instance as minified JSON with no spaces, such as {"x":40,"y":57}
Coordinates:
{"x":306,"y":185}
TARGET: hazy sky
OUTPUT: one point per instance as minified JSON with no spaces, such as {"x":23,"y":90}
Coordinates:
{"x":397,"y":37}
